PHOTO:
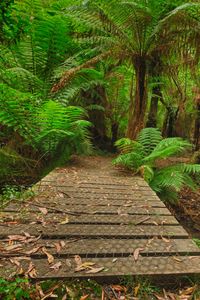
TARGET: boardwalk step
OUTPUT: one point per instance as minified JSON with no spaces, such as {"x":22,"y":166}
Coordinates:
{"x":96,"y":231}
{"x":154,"y":266}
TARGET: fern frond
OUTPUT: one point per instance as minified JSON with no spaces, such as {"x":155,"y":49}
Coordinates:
{"x":147,"y":173}
{"x":149,"y":138}
{"x":132,"y":160}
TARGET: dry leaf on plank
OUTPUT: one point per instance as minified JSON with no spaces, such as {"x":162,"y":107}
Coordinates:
{"x":50,"y":257}
{"x":31,"y":272}
{"x":94,"y":270}
{"x":56,"y":266}
{"x":84,"y":266}
{"x":78,"y":260}
{"x":58,"y":247}
{"x":136,"y":253}
{"x":32,"y":251}
{"x":13,"y":247}
{"x":62,"y":244}
{"x":65,"y":221}
{"x":165,"y":240}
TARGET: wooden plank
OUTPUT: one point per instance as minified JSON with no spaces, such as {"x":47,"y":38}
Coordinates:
{"x":96,"y":231}
{"x":27,"y":217}
{"x":151,"y":266}
{"x":105,"y":247}
{"x":105,"y":192}
{"x":95,"y":185}
{"x":89,"y":209}
{"x":101,"y":201}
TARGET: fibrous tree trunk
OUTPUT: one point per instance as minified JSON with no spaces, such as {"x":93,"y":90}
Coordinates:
{"x":153,"y":111}
{"x":169,"y":122}
{"x":138,"y":103}
{"x":197,"y":126}
{"x":97,"y":117}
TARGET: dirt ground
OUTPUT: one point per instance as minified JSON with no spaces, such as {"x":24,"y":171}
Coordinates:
{"x":188,"y":211}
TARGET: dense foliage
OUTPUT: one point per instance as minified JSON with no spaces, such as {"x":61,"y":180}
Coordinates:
{"x":145,"y":156}
{"x":71,"y":70}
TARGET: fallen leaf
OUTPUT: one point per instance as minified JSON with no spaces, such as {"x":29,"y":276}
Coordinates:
{"x":43,"y":210}
{"x":32,"y":251}
{"x":14,"y":261}
{"x":31,"y":272}
{"x":50,"y":257}
{"x":84,"y":297}
{"x":155,"y":223}
{"x":62,"y":243}
{"x":65,"y":221}
{"x":17,"y":237}
{"x":68,"y":263}
{"x":58,"y":247}
{"x":95,"y":270}
{"x":27,"y":234}
{"x":136,"y":290}
{"x":177,"y":259}
{"x":189,"y":291}
{"x":136,"y":253}
{"x":13,"y":247}
{"x":84,"y":266}
{"x":78,"y":260}
{"x":56,"y":266}
{"x":165,"y":240}
{"x":114,"y":260}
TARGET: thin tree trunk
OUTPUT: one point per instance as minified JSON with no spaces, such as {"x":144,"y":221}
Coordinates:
{"x":114,"y":130}
{"x":153,"y":111}
{"x":197,"y":127}
{"x":169,"y":122}
{"x":137,"y":108}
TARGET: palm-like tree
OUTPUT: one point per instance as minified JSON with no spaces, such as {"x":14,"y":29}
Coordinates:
{"x":136,"y":32}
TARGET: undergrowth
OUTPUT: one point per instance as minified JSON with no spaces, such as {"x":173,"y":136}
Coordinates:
{"x":129,"y":289}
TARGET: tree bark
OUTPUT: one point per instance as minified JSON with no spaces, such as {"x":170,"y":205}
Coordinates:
{"x":114,"y":131}
{"x":153,"y":111}
{"x":97,"y":117}
{"x":138,"y":105}
{"x":197,"y":127}
{"x":169,"y":122}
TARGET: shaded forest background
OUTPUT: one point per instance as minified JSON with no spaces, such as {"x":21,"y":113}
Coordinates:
{"x":78,"y":76}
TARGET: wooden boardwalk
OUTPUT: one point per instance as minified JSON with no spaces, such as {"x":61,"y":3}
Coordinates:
{"x":90,"y":220}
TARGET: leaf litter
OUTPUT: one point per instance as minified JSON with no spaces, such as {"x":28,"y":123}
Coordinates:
{"x":86,"y":266}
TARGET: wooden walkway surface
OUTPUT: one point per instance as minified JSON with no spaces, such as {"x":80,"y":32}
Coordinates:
{"x":90,"y":220}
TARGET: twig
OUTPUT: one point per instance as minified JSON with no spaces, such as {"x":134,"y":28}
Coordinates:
{"x":114,"y":293}
{"x":66,"y":194}
{"x":142,"y":221}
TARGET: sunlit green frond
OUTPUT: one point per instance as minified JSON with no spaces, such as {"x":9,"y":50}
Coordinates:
{"x":149,"y":138}
{"x":130,"y":160}
{"x":126,"y":145}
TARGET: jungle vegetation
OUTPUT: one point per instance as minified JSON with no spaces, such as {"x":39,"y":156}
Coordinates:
{"x":79,"y":75}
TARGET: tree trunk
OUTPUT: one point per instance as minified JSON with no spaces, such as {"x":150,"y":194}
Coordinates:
{"x":138,"y":105}
{"x":197,"y":127}
{"x":114,"y":130}
{"x":169,"y":122}
{"x":152,"y":117}
{"x":97,"y":117}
